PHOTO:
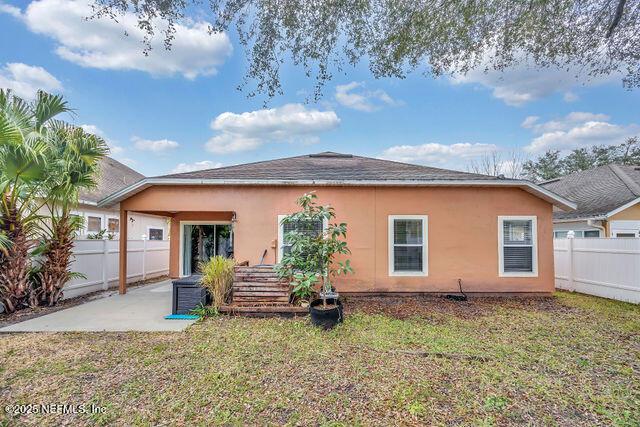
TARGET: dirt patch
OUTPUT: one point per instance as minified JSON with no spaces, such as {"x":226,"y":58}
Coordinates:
{"x":403,"y":307}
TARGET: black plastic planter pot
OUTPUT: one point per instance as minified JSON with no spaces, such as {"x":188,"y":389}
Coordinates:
{"x":326,"y":319}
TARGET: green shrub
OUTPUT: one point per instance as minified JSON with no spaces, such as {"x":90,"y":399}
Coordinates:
{"x":217,"y":277}
{"x":312,"y":255}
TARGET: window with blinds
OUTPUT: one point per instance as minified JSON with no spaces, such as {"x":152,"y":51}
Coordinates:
{"x":309,"y":228}
{"x":408,"y":245}
{"x":306,"y":227}
{"x":518,"y":246}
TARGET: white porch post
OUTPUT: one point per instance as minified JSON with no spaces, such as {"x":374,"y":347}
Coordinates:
{"x":105,"y":263}
{"x":570,"y":236}
{"x":144,"y":257}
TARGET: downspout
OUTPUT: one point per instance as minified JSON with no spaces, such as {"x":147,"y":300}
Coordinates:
{"x":592,"y":223}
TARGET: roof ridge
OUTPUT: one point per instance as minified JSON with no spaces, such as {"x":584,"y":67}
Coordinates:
{"x":420,"y":166}
{"x":125,"y":166}
{"x":231,"y":166}
{"x":626,"y":179}
{"x":353,"y":156}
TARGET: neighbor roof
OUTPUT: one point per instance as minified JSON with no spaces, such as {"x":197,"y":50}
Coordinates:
{"x":114,"y":176}
{"x":597,"y":191}
{"x":334,"y":169}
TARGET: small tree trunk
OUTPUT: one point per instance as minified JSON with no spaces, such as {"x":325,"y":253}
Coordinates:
{"x":14,"y":265}
{"x":54,"y":272}
{"x":325,"y":280}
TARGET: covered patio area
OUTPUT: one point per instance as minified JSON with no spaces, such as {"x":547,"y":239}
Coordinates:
{"x":194,"y":237}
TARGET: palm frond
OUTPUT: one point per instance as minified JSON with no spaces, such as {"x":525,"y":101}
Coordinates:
{"x":5,"y":243}
{"x":15,"y":118}
{"x":48,"y":106}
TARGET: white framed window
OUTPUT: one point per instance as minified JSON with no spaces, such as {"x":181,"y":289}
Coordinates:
{"x":408,"y":245}
{"x":113,"y":224}
{"x":94,"y":223}
{"x":626,"y":235}
{"x":155,"y":233}
{"x":518,"y":246}
{"x":283,"y":229}
{"x":578,"y":234}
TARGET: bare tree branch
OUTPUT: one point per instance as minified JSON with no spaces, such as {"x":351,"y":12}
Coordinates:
{"x":617,"y":17}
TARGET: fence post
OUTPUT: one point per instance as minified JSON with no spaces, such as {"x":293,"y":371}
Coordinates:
{"x":144,"y":257}
{"x":105,"y":263}
{"x":570,"y":236}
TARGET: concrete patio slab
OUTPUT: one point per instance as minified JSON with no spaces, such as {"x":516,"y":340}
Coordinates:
{"x":140,"y":309}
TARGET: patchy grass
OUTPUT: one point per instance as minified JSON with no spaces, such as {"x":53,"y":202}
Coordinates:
{"x":569,"y":360}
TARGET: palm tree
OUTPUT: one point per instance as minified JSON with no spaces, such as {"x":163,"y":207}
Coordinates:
{"x":23,"y":160}
{"x":74,"y":160}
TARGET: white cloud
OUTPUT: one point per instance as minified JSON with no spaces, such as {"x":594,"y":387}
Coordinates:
{"x":565,"y":123}
{"x":109,"y":45}
{"x":524,"y":82}
{"x":249,"y":130}
{"x":154,"y":145}
{"x":114,"y":149}
{"x":197,"y":166}
{"x":455,"y":156}
{"x":529,"y":122}
{"x":354,"y":95}
{"x":11,"y":10}
{"x":576,"y":130}
{"x":25,"y":80}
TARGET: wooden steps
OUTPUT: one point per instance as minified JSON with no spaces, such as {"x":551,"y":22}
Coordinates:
{"x":258,"y":286}
{"x":264,"y":311}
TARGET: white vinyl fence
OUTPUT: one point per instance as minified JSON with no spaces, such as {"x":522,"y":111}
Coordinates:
{"x":98,"y":261}
{"x":607,"y":268}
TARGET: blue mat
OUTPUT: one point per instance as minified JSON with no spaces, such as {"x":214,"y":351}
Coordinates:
{"x":182,"y":316}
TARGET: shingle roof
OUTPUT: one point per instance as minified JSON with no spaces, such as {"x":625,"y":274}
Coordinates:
{"x":330,"y":166}
{"x":334,"y":169}
{"x":113,"y":177}
{"x":597,"y":191}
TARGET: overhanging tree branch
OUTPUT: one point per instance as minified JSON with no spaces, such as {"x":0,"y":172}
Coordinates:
{"x":397,"y":37}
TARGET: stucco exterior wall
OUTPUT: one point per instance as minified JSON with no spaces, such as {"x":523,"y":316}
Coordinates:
{"x":630,"y":214}
{"x":462,"y":230}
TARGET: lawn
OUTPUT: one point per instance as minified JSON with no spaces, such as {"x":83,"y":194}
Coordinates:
{"x":567,"y":360}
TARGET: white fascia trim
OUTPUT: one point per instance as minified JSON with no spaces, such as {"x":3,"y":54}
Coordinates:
{"x":530,"y":187}
{"x":579,"y":219}
{"x":87,"y":202}
{"x":623,"y":207}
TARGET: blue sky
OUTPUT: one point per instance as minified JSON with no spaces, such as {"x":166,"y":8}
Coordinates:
{"x":180,"y":110}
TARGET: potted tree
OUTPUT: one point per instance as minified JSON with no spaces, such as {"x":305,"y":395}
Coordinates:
{"x":310,"y":258}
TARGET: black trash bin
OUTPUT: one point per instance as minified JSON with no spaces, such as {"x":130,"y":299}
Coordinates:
{"x":188,"y":294}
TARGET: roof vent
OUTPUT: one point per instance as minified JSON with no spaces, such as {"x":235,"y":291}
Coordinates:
{"x":330,"y":155}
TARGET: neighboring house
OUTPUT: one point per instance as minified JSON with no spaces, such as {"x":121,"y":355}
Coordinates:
{"x":115,"y":176}
{"x":608,"y":199}
{"x":410,"y":228}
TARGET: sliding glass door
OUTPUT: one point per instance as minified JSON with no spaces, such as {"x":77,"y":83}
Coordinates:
{"x":201,"y":242}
